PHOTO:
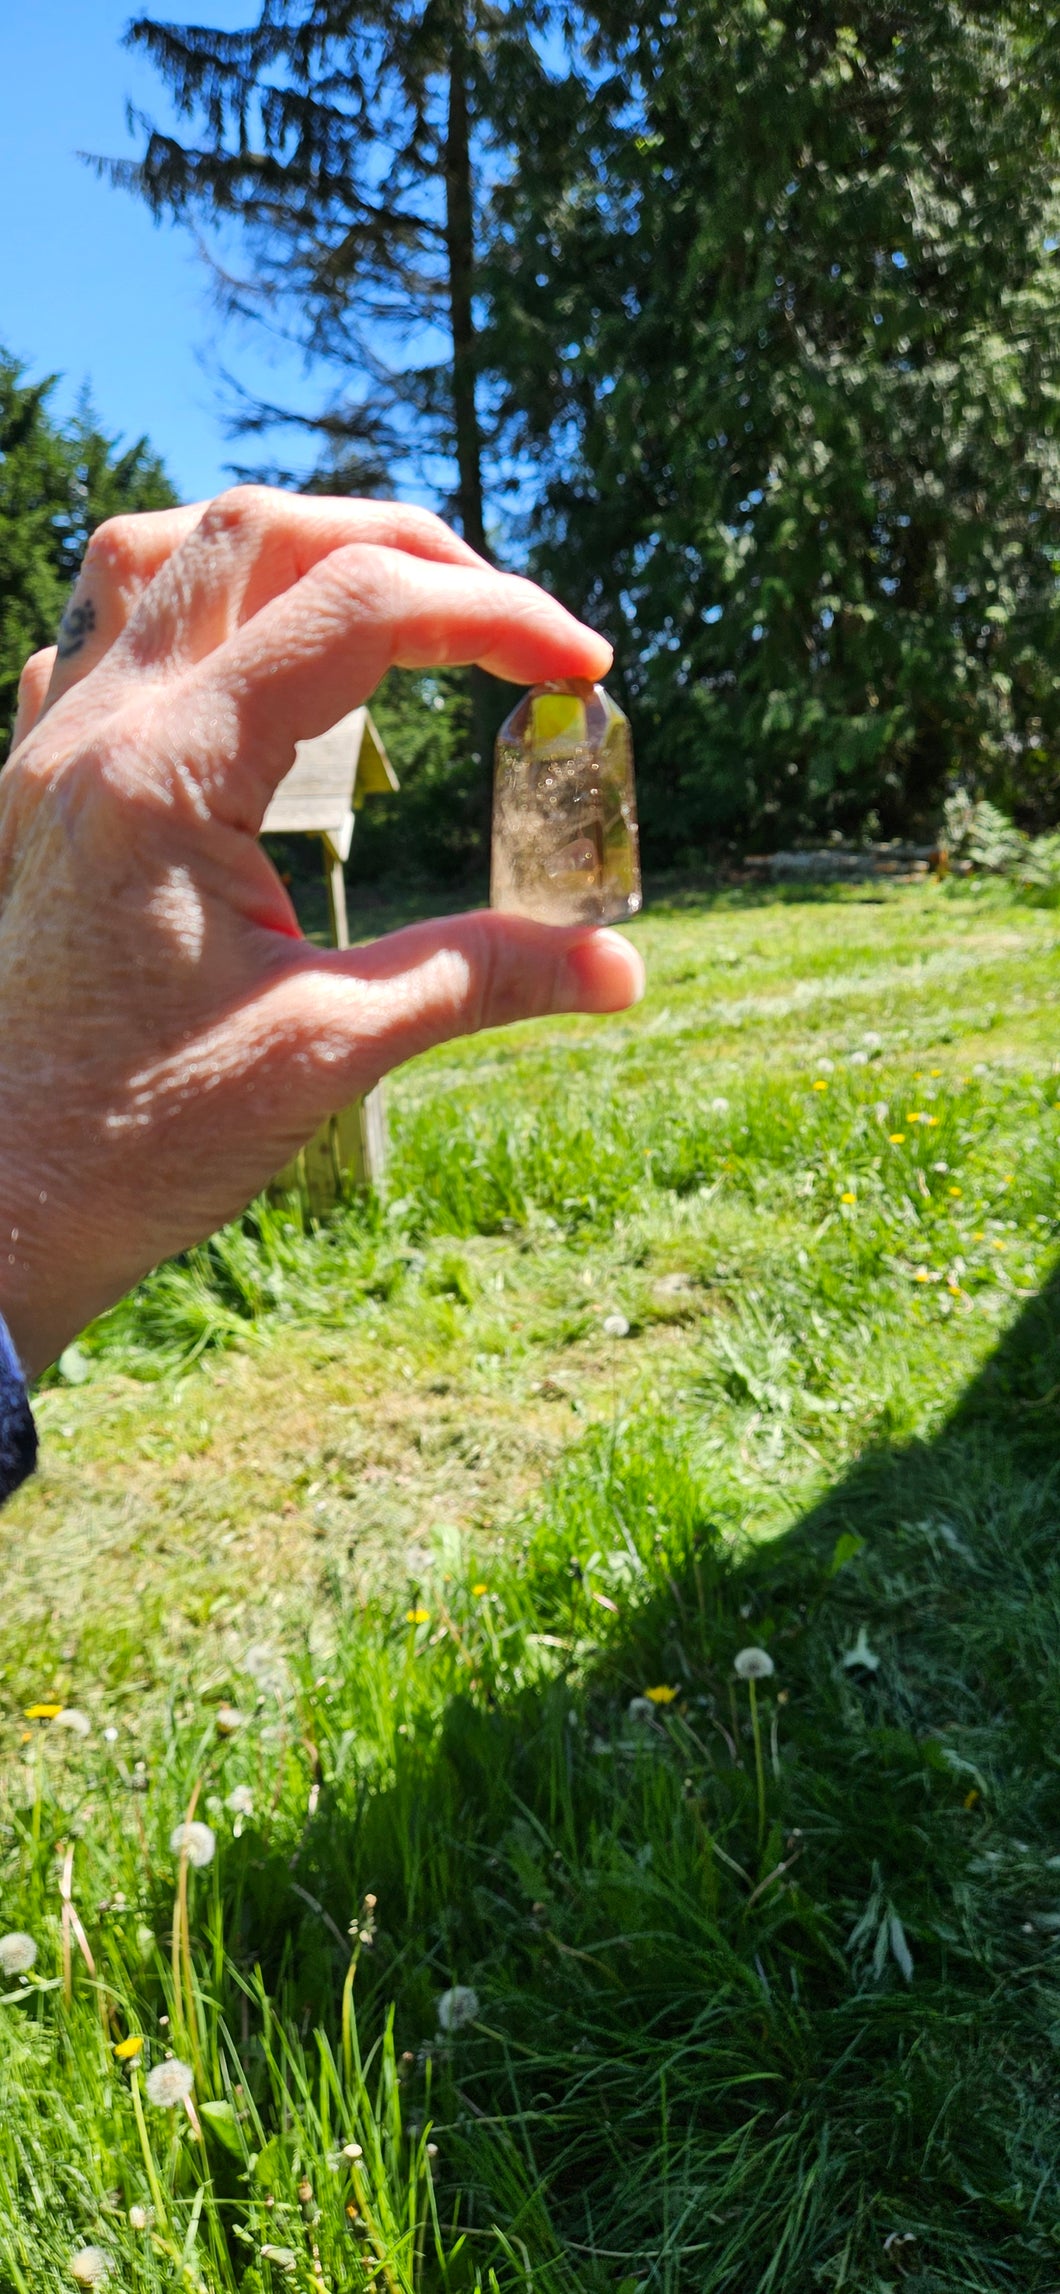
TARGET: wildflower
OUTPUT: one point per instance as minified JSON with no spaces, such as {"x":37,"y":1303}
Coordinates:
{"x":638,"y":1709}
{"x":821,"y":1084}
{"x":665,"y":1696}
{"x":615,"y":1326}
{"x":240,"y":1801}
{"x":110,"y":1736}
{"x":896,"y":1138}
{"x":861,"y":1657}
{"x":282,"y":2257}
{"x":89,"y":2266}
{"x":921,"y":1275}
{"x":720,"y":1106}
{"x":227,"y":1719}
{"x":418,"y":1616}
{"x":43,"y":1712}
{"x":915,"y":1119}
{"x":196,"y":1842}
{"x":139,"y":2218}
{"x":457,"y":2007}
{"x":956,"y":1192}
{"x":127,"y":2050}
{"x":479,"y":1590}
{"x":872,"y":1042}
{"x":17,"y":1953}
{"x":169,"y":2083}
{"x":753,"y":1665}
{"x":72,"y":1717}
{"x":849,"y":1196}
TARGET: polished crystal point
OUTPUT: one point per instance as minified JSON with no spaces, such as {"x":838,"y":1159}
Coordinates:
{"x":564,"y":809}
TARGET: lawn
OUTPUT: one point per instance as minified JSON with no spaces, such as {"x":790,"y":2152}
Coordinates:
{"x":522,"y":1938}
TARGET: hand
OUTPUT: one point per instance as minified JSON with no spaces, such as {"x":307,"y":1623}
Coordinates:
{"x":168,"y":1040}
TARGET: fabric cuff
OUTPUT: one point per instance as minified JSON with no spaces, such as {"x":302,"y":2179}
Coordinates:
{"x":18,"y":1434}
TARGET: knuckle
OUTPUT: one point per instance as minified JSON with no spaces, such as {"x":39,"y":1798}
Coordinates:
{"x":239,"y":510}
{"x":35,"y":671}
{"x":114,"y":548}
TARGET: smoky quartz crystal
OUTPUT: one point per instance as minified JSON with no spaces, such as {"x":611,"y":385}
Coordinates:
{"x":564,"y":810}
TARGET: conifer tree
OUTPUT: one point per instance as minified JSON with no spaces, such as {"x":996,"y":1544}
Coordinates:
{"x":349,"y":146}
{"x":778,"y":304}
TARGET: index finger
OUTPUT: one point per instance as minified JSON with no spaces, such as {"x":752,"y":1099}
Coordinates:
{"x":313,"y":654}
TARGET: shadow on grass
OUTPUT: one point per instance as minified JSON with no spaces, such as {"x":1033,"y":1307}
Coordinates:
{"x":738,"y":2033}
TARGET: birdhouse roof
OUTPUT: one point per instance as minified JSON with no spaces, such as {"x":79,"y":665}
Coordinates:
{"x":329,"y":780}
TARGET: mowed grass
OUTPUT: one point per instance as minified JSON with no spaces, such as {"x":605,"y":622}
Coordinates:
{"x":412,"y":1553}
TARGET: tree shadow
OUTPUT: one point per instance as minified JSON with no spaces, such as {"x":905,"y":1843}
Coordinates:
{"x":779,"y":2026}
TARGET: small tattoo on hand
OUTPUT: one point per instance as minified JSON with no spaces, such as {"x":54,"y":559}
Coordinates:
{"x":77,"y":623}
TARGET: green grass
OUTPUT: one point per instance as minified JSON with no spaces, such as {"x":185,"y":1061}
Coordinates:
{"x":767,"y":1995}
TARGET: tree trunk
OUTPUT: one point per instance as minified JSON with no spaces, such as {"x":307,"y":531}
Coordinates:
{"x":460,"y":249}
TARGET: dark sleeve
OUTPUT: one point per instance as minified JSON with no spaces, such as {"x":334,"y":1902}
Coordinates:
{"x":18,"y":1434}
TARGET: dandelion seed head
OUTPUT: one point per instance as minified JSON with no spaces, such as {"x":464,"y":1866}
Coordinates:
{"x":90,"y":2266}
{"x":640,"y":1709}
{"x":753,"y":1665}
{"x":197,"y":1842}
{"x":615,"y":1326}
{"x":228,"y":1719}
{"x":139,"y":2218}
{"x":110,"y":1736}
{"x":457,"y":2008}
{"x":240,"y":1801}
{"x":719,"y":1106}
{"x":169,"y":2083}
{"x":73,"y":1718}
{"x":17,"y":1953}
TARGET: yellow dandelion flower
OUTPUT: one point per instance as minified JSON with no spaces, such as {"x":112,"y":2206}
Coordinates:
{"x":935,"y":1071}
{"x":820,"y":1084}
{"x":999,"y":1246}
{"x":956,"y":1191}
{"x":127,"y":2050}
{"x":979,"y":1236}
{"x":921,"y":1275}
{"x":43,"y":1712}
{"x":661,"y":1696}
{"x":848,"y":1196}
{"x":418,"y":1616}
{"x":954,"y":1289}
{"x":932,"y":1121}
{"x":915,"y":1119}
{"x":896,"y":1138}
{"x":479,"y":1590}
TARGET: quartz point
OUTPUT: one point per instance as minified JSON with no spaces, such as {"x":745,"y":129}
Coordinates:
{"x":564,"y":810}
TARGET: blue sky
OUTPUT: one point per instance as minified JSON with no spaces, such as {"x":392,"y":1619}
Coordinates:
{"x":89,"y":286}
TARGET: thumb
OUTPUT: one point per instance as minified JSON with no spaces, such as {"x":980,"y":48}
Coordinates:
{"x":335,"y":1023}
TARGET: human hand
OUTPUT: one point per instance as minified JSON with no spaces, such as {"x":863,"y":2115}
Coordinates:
{"x":168,"y":1039}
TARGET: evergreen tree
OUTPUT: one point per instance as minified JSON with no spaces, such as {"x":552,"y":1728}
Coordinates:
{"x":774,"y":295}
{"x":350,"y":145}
{"x":57,"y":483}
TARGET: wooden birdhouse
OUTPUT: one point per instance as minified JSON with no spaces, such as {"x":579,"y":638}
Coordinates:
{"x":328,"y":782}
